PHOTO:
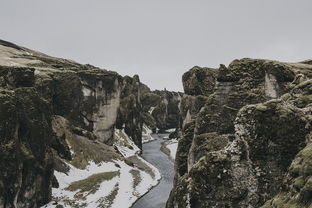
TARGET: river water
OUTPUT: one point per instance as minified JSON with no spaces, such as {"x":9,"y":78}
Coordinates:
{"x":157,"y":197}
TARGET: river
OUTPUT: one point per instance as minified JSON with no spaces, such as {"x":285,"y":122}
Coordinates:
{"x":157,"y":196}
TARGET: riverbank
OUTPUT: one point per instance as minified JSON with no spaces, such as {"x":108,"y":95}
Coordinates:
{"x":170,"y":148}
{"x":157,"y":196}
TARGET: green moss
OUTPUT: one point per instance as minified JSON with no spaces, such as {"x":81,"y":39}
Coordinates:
{"x":302,"y":165}
{"x":299,"y":182}
{"x":208,"y":142}
{"x":282,"y":201}
{"x":303,"y":101}
{"x":230,"y":108}
{"x":111,"y":197}
{"x":304,"y":84}
{"x":129,"y":162}
{"x":306,"y":192}
{"x":300,"y":193}
{"x":286,"y":97}
{"x":92,"y":183}
{"x":84,"y":150}
{"x":136,"y":177}
{"x":136,"y":162}
{"x":261,"y":107}
{"x":184,"y":146}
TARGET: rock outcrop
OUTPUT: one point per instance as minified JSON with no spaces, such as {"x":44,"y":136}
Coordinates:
{"x":52,"y":112}
{"x":26,"y":135}
{"x":164,"y":109}
{"x":245,"y":128}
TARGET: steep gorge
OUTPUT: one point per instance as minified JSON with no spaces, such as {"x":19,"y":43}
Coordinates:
{"x":244,"y":134}
{"x":59,"y":117}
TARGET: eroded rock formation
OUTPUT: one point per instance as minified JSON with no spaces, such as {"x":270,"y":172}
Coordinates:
{"x":245,"y":128}
{"x":54,"y":109}
{"x":164,"y":108}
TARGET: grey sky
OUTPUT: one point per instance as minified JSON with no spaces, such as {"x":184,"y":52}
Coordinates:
{"x":160,"y":39}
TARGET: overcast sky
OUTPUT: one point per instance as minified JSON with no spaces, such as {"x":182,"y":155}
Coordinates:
{"x":160,"y":39}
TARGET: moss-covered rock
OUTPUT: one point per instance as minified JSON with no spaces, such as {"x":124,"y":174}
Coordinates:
{"x":299,"y":181}
{"x":167,"y":113}
{"x":184,"y":146}
{"x":27,"y":164}
{"x":12,"y":77}
{"x":239,"y":154}
{"x":199,"y":81}
{"x":50,"y":106}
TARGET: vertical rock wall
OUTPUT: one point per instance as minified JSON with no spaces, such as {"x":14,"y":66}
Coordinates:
{"x":40,"y":88}
{"x":231,"y":153}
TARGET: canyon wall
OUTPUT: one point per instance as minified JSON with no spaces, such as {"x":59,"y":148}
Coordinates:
{"x":246,"y":136}
{"x":164,"y":109}
{"x":55,"y":110}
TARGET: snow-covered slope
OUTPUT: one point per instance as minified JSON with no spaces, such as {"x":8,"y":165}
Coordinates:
{"x":115,"y":182}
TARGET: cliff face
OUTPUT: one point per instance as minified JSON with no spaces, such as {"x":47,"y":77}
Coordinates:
{"x":242,"y":132}
{"x":38,"y":94}
{"x":167,"y":113}
{"x":164,"y":108}
{"x":27,"y":162}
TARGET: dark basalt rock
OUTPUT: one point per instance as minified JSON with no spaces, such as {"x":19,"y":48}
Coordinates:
{"x":49,"y":102}
{"x":167,"y":112}
{"x":199,"y":81}
{"x":163,"y":107}
{"x":240,"y":155}
{"x":27,"y":163}
{"x":12,"y":77}
{"x":129,"y":112}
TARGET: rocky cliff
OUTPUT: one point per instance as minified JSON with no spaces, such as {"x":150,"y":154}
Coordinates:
{"x":246,"y":136}
{"x":59,"y":115}
{"x":164,"y":109}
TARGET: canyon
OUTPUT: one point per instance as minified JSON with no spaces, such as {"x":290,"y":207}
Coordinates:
{"x":72,"y":134}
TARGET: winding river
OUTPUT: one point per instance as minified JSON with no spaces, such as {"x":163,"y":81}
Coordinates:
{"x":157,"y":196}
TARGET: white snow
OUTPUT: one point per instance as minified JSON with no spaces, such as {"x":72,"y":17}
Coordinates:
{"x":86,"y":91}
{"x":147,"y":134}
{"x":187,"y":118}
{"x":155,"y":170}
{"x":127,"y":195}
{"x":124,"y":144}
{"x":166,"y":137}
{"x":170,"y":130}
{"x":151,"y":110}
{"x":120,"y":189}
{"x":76,"y":174}
{"x":173,"y":146}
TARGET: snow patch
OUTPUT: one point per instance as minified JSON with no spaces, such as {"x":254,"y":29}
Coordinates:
{"x":116,"y":192}
{"x":172,"y":146}
{"x":151,"y":110}
{"x":147,"y":134}
{"x":63,"y":196}
{"x":126,"y":194}
{"x":171,"y":130}
{"x":187,"y":118}
{"x":86,"y":91}
{"x":124,"y":144}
